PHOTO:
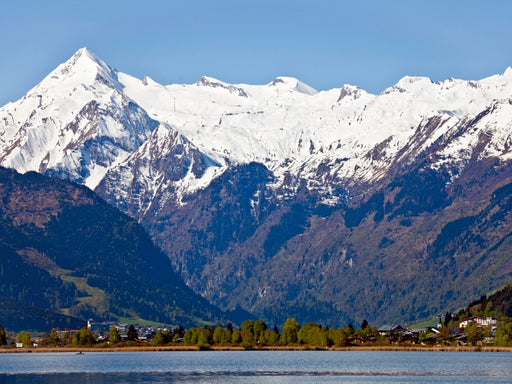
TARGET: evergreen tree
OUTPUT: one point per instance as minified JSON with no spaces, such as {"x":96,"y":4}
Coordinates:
{"x":447,"y":319}
{"x":3,"y":336}
{"x":132,"y":334}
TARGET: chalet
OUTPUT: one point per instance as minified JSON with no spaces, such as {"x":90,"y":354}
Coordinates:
{"x":452,"y":336}
{"x":385,"y":330}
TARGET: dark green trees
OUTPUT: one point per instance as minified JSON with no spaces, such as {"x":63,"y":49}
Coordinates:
{"x":3,"y":336}
{"x":53,"y":338}
{"x":132,"y":334}
{"x":253,"y":332}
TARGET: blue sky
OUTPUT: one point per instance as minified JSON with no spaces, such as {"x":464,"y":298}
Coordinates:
{"x":324,"y":43}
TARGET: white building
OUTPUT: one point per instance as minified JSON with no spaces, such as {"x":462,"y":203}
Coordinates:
{"x":479,"y":321}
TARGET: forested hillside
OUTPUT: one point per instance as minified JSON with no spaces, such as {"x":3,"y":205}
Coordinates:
{"x":66,"y":252}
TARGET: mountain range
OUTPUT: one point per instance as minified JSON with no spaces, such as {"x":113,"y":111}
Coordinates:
{"x":283,"y":201}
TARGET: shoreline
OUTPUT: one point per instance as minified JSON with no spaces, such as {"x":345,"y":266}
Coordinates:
{"x":193,"y":348}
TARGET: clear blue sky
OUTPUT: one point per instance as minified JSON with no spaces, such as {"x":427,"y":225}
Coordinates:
{"x":324,"y":43}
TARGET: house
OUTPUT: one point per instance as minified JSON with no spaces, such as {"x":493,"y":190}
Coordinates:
{"x":479,"y":321}
{"x":385,"y":330}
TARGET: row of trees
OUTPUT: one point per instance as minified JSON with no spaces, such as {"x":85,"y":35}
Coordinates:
{"x":255,"y":333}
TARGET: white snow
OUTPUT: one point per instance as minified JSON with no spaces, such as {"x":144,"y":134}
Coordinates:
{"x":286,"y":119}
{"x":284,"y":124}
{"x":44,"y":129}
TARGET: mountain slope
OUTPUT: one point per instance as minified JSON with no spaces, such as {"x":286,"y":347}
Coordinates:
{"x":65,"y":250}
{"x":498,"y":303}
{"x":277,"y":199}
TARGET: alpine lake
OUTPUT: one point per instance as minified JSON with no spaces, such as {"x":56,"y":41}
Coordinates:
{"x":257,"y":367}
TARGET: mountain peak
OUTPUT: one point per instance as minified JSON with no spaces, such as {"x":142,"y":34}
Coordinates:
{"x":413,"y":83}
{"x":86,"y":52}
{"x":350,"y":92}
{"x":292,"y":84}
{"x":210,"y":82}
{"x":206,"y":81}
{"x":87,"y":67}
{"x":84,"y":57}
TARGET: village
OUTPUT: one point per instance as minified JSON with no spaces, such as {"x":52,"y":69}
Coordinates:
{"x":472,"y":331}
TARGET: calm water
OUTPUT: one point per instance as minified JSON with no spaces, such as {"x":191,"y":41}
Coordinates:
{"x":256,"y":367}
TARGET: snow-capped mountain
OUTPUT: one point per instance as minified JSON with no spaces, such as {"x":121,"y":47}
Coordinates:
{"x":86,"y":118}
{"x":232,"y":180}
{"x":76,"y":123}
{"x":289,"y":127}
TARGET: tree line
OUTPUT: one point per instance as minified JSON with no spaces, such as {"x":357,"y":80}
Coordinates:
{"x":252,"y":334}
{"x":256,"y":334}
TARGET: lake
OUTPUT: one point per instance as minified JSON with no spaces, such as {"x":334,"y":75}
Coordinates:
{"x":257,"y":367}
